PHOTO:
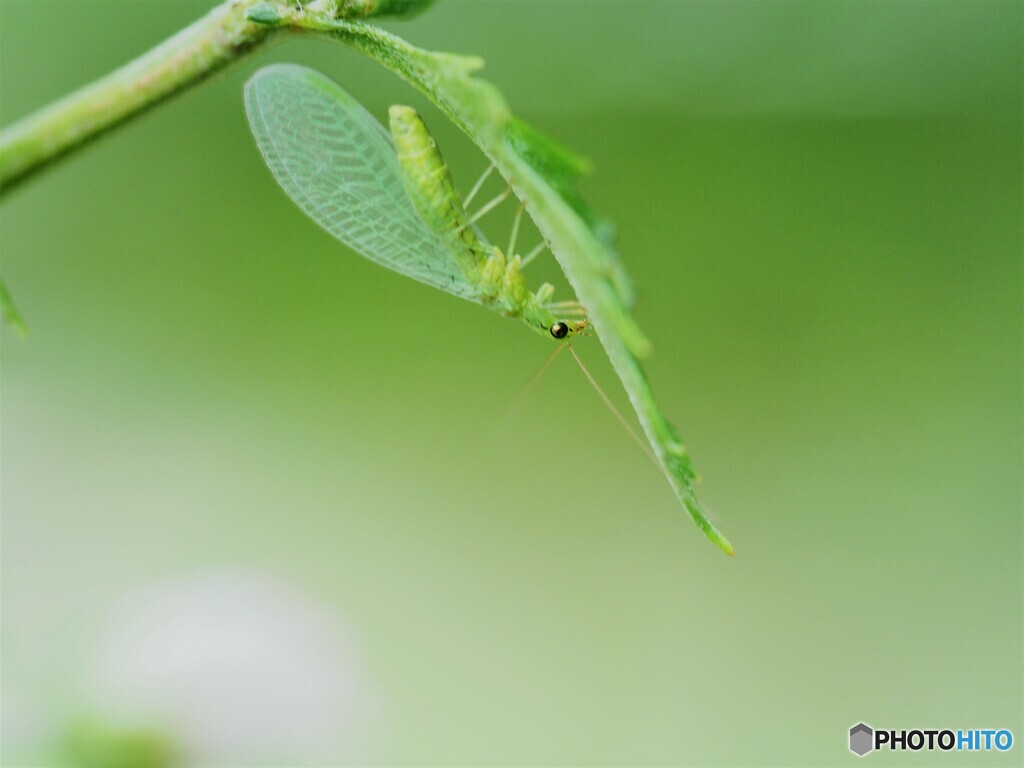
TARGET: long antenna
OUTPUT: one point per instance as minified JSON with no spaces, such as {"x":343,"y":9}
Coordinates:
{"x":518,"y":399}
{"x":612,"y":408}
{"x":540,"y":372}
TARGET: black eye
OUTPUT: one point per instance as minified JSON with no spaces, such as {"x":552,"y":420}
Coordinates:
{"x":559,"y":330}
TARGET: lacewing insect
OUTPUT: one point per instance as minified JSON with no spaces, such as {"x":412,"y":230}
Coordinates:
{"x":390,"y":197}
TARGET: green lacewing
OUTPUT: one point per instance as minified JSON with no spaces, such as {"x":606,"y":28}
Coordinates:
{"x":388,"y":196}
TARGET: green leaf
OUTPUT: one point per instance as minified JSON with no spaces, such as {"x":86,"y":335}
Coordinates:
{"x":263,"y":13}
{"x":543,"y":176}
{"x":361,"y":9}
{"x":10,"y":312}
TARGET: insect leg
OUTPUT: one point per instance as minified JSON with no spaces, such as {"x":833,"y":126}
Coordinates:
{"x":567,"y":308}
{"x":534,"y":253}
{"x":490,"y":206}
{"x":515,"y":231}
{"x":478,"y":185}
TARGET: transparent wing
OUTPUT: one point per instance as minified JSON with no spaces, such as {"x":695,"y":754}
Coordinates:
{"x":338,"y":164}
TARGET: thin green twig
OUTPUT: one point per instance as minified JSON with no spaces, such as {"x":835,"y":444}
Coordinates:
{"x":228,"y":32}
{"x":195,"y":53}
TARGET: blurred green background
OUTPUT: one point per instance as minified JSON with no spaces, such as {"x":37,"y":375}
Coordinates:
{"x":267,"y":503}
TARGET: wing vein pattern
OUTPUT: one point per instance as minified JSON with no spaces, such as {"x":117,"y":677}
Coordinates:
{"x":338,"y":164}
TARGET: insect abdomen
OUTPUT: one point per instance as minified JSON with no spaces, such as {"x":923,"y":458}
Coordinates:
{"x":432,"y":191}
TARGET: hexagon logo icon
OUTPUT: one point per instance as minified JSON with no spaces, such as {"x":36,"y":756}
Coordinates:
{"x":862,"y":739}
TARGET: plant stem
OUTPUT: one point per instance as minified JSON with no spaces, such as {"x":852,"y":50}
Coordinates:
{"x":195,"y":53}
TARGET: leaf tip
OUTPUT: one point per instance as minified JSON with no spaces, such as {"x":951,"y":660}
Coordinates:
{"x":10,"y":313}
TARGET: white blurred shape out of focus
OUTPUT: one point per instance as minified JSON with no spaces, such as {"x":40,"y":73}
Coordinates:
{"x":236,"y":668}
